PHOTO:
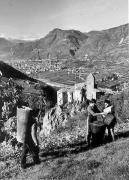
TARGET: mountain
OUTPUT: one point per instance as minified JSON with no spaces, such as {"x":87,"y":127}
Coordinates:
{"x":58,"y":43}
{"x":69,"y":44}
{"x":7,"y":47}
{"x":103,"y":42}
{"x":4,"y":43}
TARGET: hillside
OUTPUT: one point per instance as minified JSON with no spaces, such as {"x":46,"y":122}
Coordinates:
{"x":106,"y":162}
{"x":102,"y":43}
{"x":70,"y":161}
{"x":69,"y":44}
{"x":32,"y":88}
{"x":6,"y":48}
{"x":10,"y":72}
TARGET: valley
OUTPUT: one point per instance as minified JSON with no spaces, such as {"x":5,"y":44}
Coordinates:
{"x":34,"y":69}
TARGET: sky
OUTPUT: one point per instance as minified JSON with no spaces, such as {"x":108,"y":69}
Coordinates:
{"x":32,"y":19}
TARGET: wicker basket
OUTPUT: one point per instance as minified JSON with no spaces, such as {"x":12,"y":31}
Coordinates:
{"x":23,"y":116}
{"x":97,"y":127}
{"x":108,"y":119}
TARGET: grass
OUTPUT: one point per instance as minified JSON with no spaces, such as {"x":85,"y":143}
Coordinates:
{"x":60,"y":77}
{"x":106,"y":162}
{"x":64,"y":158}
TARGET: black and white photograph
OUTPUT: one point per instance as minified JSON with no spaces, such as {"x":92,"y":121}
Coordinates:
{"x":64,"y":90}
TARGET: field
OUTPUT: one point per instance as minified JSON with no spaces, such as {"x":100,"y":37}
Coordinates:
{"x":99,"y":67}
{"x":60,"y":77}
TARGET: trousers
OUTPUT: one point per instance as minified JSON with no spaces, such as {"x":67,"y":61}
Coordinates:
{"x":29,"y":147}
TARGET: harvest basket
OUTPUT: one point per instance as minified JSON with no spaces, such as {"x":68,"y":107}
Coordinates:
{"x":97,"y":127}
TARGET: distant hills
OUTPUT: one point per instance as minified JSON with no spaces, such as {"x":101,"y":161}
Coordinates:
{"x":69,"y":44}
{"x":58,"y":43}
{"x":101,"y":43}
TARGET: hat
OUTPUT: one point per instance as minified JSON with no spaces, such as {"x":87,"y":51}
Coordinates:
{"x":107,"y":101}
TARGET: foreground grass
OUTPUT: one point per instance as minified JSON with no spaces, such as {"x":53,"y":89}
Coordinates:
{"x":65,"y":156}
{"x":110,"y":161}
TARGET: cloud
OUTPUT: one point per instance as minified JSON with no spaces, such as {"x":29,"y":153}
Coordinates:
{"x":2,"y":35}
{"x":28,"y":37}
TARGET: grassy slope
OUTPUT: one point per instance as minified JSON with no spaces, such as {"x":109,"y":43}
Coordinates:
{"x":10,"y":72}
{"x":73,"y":161}
{"x":106,"y":162}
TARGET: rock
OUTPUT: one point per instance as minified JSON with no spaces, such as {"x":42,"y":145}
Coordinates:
{"x":10,"y":124}
{"x":10,"y":131}
{"x":53,"y":119}
{"x":46,"y":128}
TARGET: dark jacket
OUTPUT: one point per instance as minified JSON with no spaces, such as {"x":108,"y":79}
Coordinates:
{"x":91,"y":111}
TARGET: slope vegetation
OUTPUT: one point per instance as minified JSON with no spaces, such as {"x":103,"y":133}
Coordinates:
{"x":10,"y":72}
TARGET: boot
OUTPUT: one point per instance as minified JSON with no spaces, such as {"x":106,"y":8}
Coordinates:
{"x":36,"y":160}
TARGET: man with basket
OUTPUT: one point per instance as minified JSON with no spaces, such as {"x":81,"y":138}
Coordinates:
{"x":95,"y":129}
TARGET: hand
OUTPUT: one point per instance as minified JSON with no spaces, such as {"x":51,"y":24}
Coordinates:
{"x":37,"y":144}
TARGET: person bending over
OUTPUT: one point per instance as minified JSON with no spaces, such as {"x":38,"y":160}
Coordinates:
{"x":93,"y":112}
{"x":31,"y":143}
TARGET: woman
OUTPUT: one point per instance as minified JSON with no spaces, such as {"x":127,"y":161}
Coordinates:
{"x":109,"y":119}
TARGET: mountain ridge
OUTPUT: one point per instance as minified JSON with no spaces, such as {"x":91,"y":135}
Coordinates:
{"x":60,"y":44}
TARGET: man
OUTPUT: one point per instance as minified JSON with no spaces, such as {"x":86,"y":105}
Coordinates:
{"x":93,"y":112}
{"x":31,"y":143}
{"x":83,"y":94}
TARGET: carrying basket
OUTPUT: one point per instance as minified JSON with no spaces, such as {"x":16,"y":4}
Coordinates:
{"x":108,"y":119}
{"x":23,"y":116}
{"x":97,"y":127}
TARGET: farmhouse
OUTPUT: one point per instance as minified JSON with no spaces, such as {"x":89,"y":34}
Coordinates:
{"x":71,"y":94}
